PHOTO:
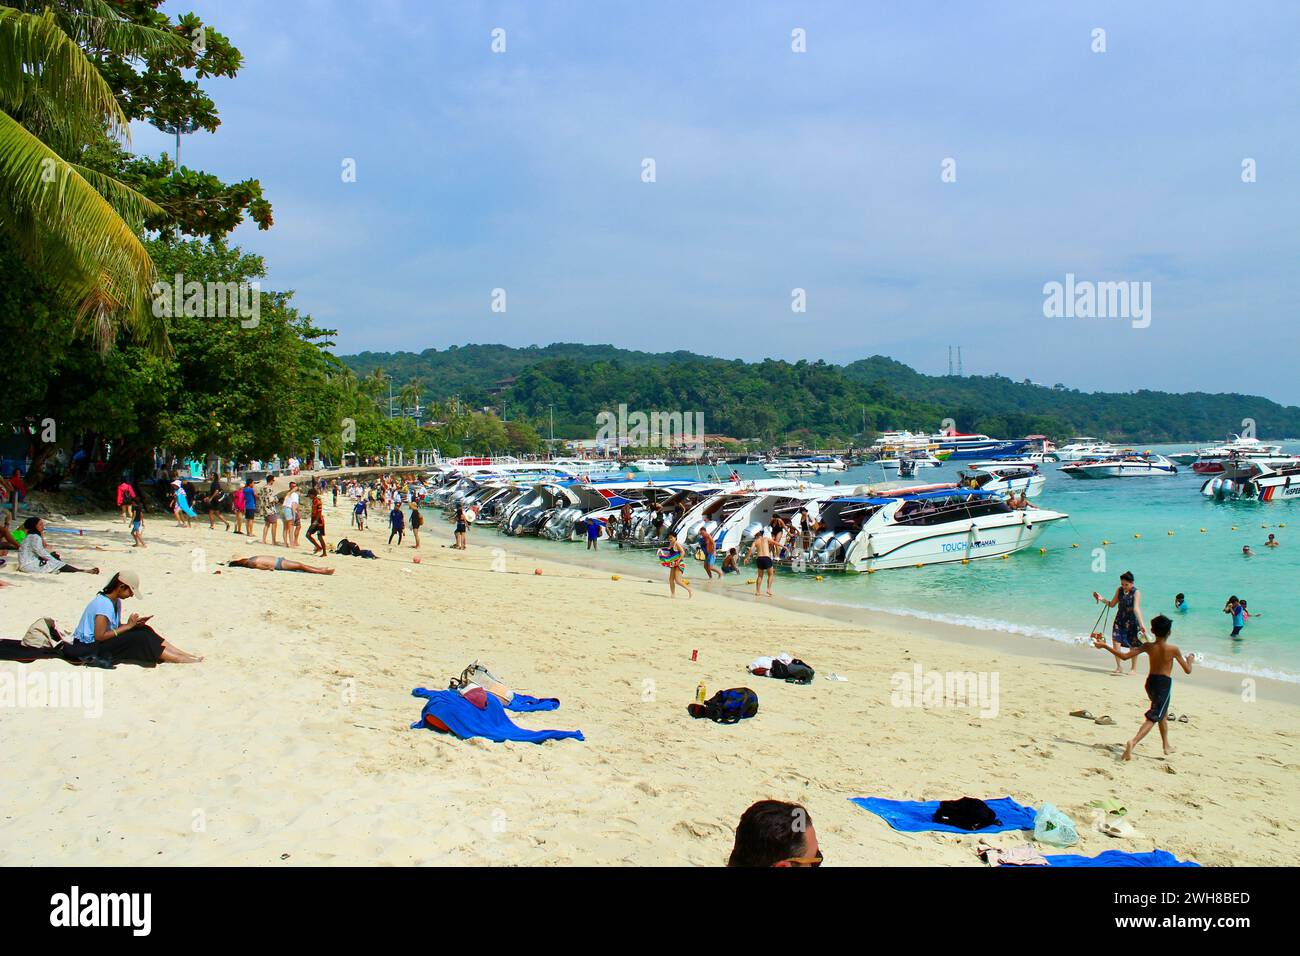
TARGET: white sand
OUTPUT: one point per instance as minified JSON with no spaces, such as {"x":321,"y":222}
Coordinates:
{"x":291,"y":741}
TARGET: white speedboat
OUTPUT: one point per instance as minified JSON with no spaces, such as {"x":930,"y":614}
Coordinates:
{"x":1247,"y":478}
{"x":1083,"y":447}
{"x":910,"y":529}
{"x":805,"y":467}
{"x":1006,"y":478}
{"x":649,"y":465}
{"x":1122,"y":466}
{"x":1212,"y":460}
{"x":909,"y":464}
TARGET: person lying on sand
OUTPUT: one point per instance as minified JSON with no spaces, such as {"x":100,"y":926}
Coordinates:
{"x":266,"y":562}
{"x":1160,"y":682}
{"x":773,"y":833}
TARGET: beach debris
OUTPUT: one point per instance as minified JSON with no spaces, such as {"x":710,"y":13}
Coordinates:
{"x":695,"y":654}
{"x":613,"y":577}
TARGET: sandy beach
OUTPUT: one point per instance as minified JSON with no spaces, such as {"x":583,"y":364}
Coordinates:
{"x":291,"y":744}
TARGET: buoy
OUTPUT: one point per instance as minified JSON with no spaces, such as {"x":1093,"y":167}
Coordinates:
{"x":750,"y":581}
{"x":613,"y":577}
{"x":1263,"y":526}
{"x":1042,"y":550}
{"x":537,"y":570}
{"x":1137,"y":535}
{"x":1104,"y":541}
{"x":1234,"y":527}
{"x":819,"y":577}
{"x":965,"y":560}
{"x":1074,"y":545}
{"x":1170,"y":533}
{"x":1202,"y":531}
{"x":920,"y":565}
{"x":1005,"y":556}
{"x":415,"y":560}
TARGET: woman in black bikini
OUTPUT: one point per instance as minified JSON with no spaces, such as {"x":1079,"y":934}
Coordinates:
{"x":1128,"y":617}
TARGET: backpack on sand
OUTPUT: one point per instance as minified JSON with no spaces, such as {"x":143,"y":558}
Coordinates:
{"x":727,"y":706}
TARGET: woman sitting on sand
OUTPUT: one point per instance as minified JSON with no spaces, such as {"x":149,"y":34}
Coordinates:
{"x":266,"y":562}
{"x":102,"y":635}
{"x":32,"y":556}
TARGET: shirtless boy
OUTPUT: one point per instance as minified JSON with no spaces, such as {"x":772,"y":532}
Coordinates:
{"x":1160,"y":682}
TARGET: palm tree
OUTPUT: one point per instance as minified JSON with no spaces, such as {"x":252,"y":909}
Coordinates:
{"x":78,"y":228}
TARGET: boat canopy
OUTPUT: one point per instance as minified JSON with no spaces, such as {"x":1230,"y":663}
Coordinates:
{"x":922,"y":496}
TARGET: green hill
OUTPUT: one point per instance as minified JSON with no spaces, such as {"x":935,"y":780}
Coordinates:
{"x":810,"y":401}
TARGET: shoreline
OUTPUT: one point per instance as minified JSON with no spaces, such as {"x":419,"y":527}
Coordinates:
{"x":1043,"y":650}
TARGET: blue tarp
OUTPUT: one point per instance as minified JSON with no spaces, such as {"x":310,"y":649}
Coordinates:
{"x":917,"y":816}
{"x":465,"y":720}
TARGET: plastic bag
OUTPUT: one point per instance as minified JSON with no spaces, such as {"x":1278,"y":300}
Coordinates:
{"x":1054,"y":828}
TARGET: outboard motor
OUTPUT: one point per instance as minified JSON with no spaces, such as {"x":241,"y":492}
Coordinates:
{"x":751,"y":530}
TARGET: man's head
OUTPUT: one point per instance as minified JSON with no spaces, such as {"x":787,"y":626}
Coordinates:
{"x":1161,"y":626}
{"x":774,"y":833}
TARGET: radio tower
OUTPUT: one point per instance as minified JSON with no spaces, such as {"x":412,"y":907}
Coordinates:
{"x":950,"y":361}
{"x":959,"y":371}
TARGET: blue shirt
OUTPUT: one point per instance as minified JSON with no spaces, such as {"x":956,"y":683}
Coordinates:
{"x":100,"y":606}
{"x":1238,"y":617}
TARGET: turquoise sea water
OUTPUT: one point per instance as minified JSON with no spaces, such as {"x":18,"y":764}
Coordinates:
{"x":1049,"y":596}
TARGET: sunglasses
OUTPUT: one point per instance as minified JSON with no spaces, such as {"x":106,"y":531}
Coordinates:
{"x":806,"y":861}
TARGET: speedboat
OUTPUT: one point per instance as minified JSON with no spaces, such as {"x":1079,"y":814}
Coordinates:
{"x":649,"y":465}
{"x":810,"y":466}
{"x":1077,"y":449}
{"x":909,"y":464}
{"x":1211,"y":460}
{"x":1005,"y":477}
{"x":1147,"y":465}
{"x":1249,"y":478}
{"x":907,"y":529}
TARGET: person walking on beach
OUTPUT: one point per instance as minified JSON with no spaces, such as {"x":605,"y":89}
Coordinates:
{"x":710,"y":549}
{"x":417,"y":520}
{"x":126,"y":496}
{"x":673,"y":557}
{"x":1161,"y":656}
{"x":316,"y":530}
{"x":396,"y":524}
{"x":270,"y":508}
{"x":462,"y":528}
{"x":215,"y":504}
{"x":761,"y":549}
{"x":295,"y":524}
{"x":181,"y":505}
{"x":137,"y":524}
{"x":1128,"y":618}
{"x":359,"y":514}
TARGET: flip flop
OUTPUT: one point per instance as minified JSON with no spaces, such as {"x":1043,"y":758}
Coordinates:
{"x":1086,"y":715}
{"x":1110,"y":805}
{"x":1105,"y":721}
{"x":1117,"y":828}
{"x":1183,"y":718}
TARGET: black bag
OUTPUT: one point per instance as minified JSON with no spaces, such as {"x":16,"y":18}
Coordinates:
{"x":966,"y":814}
{"x":346,"y":547}
{"x":796,"y":672}
{"x":727,"y":706}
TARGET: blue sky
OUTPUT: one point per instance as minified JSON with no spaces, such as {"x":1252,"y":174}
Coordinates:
{"x":779,"y":170}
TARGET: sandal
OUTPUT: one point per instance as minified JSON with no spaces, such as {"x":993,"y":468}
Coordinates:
{"x":1105,"y":721}
{"x":1182,"y":718}
{"x":1086,"y":715}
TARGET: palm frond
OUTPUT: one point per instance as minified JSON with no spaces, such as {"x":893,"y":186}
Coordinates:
{"x":75,"y":237}
{"x":35,"y":52}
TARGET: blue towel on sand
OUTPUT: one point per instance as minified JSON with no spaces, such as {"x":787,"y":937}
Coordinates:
{"x":466,"y":720}
{"x":917,"y":816}
{"x":522,"y":703}
{"x":1115,"y":858}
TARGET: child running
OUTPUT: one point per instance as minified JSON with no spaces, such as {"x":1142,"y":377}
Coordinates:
{"x":137,"y":524}
{"x":1160,"y":682}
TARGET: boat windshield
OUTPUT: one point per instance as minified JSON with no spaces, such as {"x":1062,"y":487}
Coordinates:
{"x":956,"y":508}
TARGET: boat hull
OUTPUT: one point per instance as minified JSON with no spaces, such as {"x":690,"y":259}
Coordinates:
{"x":913,"y":546}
